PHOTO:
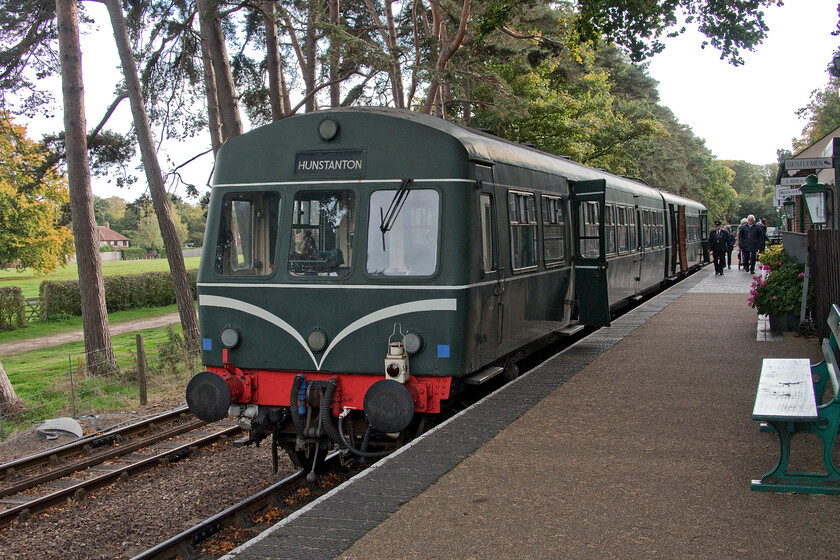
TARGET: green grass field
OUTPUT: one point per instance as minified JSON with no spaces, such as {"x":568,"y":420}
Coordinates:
{"x":30,"y":282}
{"x":41,"y":377}
{"x":53,"y":381}
{"x":39,"y":329}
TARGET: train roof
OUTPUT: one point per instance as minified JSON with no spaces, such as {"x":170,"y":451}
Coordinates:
{"x":479,"y":147}
{"x":681,"y":200}
{"x":483,"y":147}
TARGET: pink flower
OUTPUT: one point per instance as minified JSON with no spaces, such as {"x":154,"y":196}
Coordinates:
{"x":801,"y":275}
{"x":774,"y":297}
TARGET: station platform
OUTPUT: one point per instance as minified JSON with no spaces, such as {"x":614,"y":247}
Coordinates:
{"x":637,"y":442}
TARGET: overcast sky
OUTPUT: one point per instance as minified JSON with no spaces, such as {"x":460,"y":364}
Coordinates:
{"x":746,"y":112}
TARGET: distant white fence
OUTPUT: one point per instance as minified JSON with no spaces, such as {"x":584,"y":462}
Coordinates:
{"x":115,"y":256}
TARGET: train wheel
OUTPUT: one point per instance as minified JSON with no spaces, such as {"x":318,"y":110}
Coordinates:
{"x":511,"y":372}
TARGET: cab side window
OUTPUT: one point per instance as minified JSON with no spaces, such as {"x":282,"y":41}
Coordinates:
{"x":488,"y":240}
{"x":247,"y":240}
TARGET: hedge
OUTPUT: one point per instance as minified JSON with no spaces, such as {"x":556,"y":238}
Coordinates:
{"x":133,"y":253}
{"x":129,"y":291}
{"x":12,"y":309}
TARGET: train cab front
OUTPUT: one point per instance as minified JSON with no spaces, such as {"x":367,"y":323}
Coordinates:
{"x":309,"y":413}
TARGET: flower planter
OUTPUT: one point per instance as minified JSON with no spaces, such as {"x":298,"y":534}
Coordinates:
{"x":784,"y":322}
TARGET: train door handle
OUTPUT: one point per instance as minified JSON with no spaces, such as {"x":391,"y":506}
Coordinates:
{"x":500,"y":283}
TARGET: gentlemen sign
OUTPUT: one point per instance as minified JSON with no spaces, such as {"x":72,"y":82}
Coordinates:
{"x":330,"y":163}
{"x":809,"y":163}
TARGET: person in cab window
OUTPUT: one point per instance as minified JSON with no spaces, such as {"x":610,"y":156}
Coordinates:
{"x":308,"y":247}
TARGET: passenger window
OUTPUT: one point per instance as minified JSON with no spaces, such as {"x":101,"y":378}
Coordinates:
{"x":321,"y":240}
{"x":247,"y":240}
{"x":488,"y":240}
{"x":409,"y":245}
{"x":589,"y":225}
{"x":623,"y":233}
{"x":660,"y":228}
{"x":554,"y":230}
{"x":523,"y":229}
{"x":609,"y":229}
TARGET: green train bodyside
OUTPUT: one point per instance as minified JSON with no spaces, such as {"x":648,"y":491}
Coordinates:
{"x":500,"y":246}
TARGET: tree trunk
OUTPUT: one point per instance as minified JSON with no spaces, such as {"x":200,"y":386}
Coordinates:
{"x":100,"y":354}
{"x":213,"y":118}
{"x":211,"y":32}
{"x":466,"y":107}
{"x":9,"y":401}
{"x":335,"y":59}
{"x":183,"y":294}
{"x":310,"y":51}
{"x":389,"y":38}
{"x":276,"y":84}
{"x":447,"y":49}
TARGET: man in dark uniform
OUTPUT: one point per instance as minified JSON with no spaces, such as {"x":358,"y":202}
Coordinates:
{"x":719,"y":244}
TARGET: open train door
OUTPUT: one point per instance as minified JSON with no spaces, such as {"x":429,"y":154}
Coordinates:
{"x":677,"y":262}
{"x":591,"y":290}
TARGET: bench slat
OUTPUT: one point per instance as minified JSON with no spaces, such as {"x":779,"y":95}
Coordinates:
{"x":831,"y":365}
{"x":785,"y":391}
{"x":834,"y":321}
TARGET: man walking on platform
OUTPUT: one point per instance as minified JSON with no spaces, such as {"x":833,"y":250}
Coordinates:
{"x":753,"y":239}
{"x":719,"y":244}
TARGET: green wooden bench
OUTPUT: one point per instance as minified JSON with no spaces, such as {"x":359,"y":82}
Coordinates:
{"x":789,"y":400}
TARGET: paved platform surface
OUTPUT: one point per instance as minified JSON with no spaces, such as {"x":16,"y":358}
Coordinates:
{"x":637,"y":442}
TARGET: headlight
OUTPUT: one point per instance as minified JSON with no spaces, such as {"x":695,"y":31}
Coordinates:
{"x":316,"y":340}
{"x":413,"y":342}
{"x":230,"y":337}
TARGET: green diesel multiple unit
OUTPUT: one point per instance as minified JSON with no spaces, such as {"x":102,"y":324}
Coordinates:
{"x":362,"y":266}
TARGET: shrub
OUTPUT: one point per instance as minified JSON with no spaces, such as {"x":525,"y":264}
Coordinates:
{"x":775,"y":257}
{"x":124,"y":292}
{"x":61,"y":297}
{"x":133,"y":253}
{"x":12,"y":309}
{"x":57,"y":317}
{"x":105,"y":249}
{"x":780,"y":291}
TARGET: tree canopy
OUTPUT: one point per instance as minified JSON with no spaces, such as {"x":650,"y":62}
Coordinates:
{"x":562,"y":75}
{"x":31,"y":200}
{"x":822,"y":114}
{"x":639,"y":25}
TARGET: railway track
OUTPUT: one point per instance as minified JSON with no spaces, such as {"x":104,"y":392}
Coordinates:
{"x":74,"y":470}
{"x":248,"y":514}
{"x":88,"y":444}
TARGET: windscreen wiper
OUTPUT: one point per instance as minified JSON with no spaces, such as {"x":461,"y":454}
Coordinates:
{"x":389,"y":217}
